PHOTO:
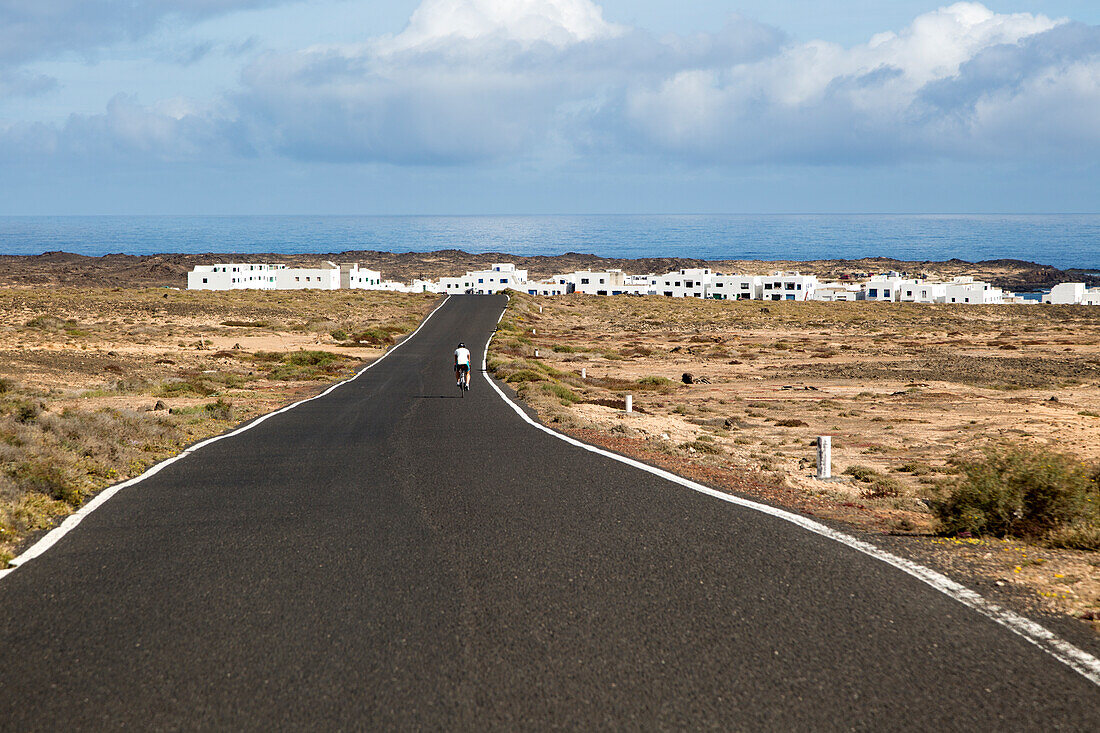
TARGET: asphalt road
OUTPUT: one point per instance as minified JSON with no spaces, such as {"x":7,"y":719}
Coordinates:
{"x":392,"y":556}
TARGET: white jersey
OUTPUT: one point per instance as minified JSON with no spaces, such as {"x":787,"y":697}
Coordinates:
{"x":462,"y":356}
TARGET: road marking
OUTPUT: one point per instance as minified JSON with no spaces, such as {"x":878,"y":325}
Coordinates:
{"x":102,"y":497}
{"x":1077,"y":659}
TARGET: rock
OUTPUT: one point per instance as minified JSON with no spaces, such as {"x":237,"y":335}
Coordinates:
{"x":765,"y":310}
{"x":236,"y":347}
{"x":1054,"y":399}
{"x":687,"y":378}
{"x":160,"y":406}
{"x":112,"y":353}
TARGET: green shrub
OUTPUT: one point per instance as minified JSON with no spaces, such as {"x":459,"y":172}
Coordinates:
{"x":701,"y":446}
{"x":563,"y":393}
{"x":915,"y":468}
{"x":5,"y":385}
{"x":339,"y":335}
{"x":47,"y":477}
{"x":861,"y":473}
{"x":525,"y":375}
{"x":1018,"y":491}
{"x":563,"y":349}
{"x":320,"y":359}
{"x":219,"y":409}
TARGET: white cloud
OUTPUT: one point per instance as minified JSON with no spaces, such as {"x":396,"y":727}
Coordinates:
{"x":34,"y":29}
{"x":485,"y":81}
{"x":558,"y":22}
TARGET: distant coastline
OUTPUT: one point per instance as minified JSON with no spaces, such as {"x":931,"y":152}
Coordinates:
{"x":170,"y":270}
{"x":1064,"y":241}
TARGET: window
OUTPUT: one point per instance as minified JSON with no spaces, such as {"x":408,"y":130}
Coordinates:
{"x":601,"y":292}
{"x":873,"y":292}
{"x":744,"y":286}
{"x":504,"y":281}
{"x":677,"y":283}
{"x":767,"y":286}
{"x":584,"y":281}
{"x":790,"y":297}
{"x":719,"y":285}
{"x":204,"y":281}
{"x":789,"y":286}
{"x":689,"y":283}
{"x":668,"y":293}
{"x":908,"y":293}
{"x":481,"y":279}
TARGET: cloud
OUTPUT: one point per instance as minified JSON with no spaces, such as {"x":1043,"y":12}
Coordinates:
{"x":172,"y":131}
{"x":35,"y":29}
{"x":468,"y":81}
{"x":551,"y":82}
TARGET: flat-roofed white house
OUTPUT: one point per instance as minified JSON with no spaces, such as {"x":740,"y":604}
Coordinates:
{"x":886,"y":288}
{"x":498,"y":278}
{"x":308,"y":278}
{"x":359,"y":278}
{"x":686,"y":283}
{"x":836,"y":292}
{"x":1066,"y":294}
{"x":233,"y":276}
{"x":1091,"y":297}
{"x":788,"y":286}
{"x":734,"y":287}
{"x":599,"y":282}
{"x":969,"y":290}
{"x":922,"y":291}
{"x":549,"y":287}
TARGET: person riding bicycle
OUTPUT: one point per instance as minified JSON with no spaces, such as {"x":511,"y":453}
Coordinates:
{"x":462,"y":366}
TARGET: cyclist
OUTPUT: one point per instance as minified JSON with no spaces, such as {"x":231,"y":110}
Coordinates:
{"x":462,"y":366}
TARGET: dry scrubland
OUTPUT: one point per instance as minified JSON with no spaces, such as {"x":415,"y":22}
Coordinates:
{"x":971,"y":431}
{"x":98,"y":384}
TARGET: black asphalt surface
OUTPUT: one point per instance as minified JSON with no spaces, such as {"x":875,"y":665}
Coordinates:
{"x":392,"y":556}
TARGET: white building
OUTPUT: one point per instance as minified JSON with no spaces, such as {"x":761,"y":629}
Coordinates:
{"x":836,"y":292}
{"x":500,"y":277}
{"x":1066,"y":294}
{"x":308,"y":278}
{"x":597,"y":282}
{"x":734,"y":287}
{"x":687,"y":283}
{"x":233,"y":276}
{"x":969,"y":290}
{"x":922,"y":291}
{"x":359,"y":278}
{"x":1091,"y":297}
{"x":549,"y":287}
{"x":788,"y":286}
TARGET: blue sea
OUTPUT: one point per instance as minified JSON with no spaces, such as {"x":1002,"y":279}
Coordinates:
{"x":1068,"y":240}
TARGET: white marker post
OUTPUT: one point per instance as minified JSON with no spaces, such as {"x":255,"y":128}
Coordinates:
{"x":536,"y":353}
{"x":630,"y":403}
{"x":584,"y":373}
{"x":824,"y":457}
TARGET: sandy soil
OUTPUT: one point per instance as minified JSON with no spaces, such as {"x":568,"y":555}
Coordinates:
{"x":98,"y":383}
{"x":903,"y":390}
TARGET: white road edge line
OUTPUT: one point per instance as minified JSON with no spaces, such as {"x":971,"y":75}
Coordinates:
{"x":102,"y":497}
{"x":1077,"y":659}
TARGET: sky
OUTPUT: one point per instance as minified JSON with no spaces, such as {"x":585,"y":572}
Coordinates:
{"x":548,"y":106}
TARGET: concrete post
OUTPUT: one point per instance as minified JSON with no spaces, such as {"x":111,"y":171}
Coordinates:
{"x":536,"y":353}
{"x":630,"y":403}
{"x":824,"y":457}
{"x":584,"y":373}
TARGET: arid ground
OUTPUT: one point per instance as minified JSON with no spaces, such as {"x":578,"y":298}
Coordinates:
{"x":905,"y":391}
{"x":97,"y":384}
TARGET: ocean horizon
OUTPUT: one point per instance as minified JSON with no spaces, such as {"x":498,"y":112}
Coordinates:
{"x":1060,"y":240}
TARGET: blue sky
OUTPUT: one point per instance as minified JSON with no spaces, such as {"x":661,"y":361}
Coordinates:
{"x":548,"y":106}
